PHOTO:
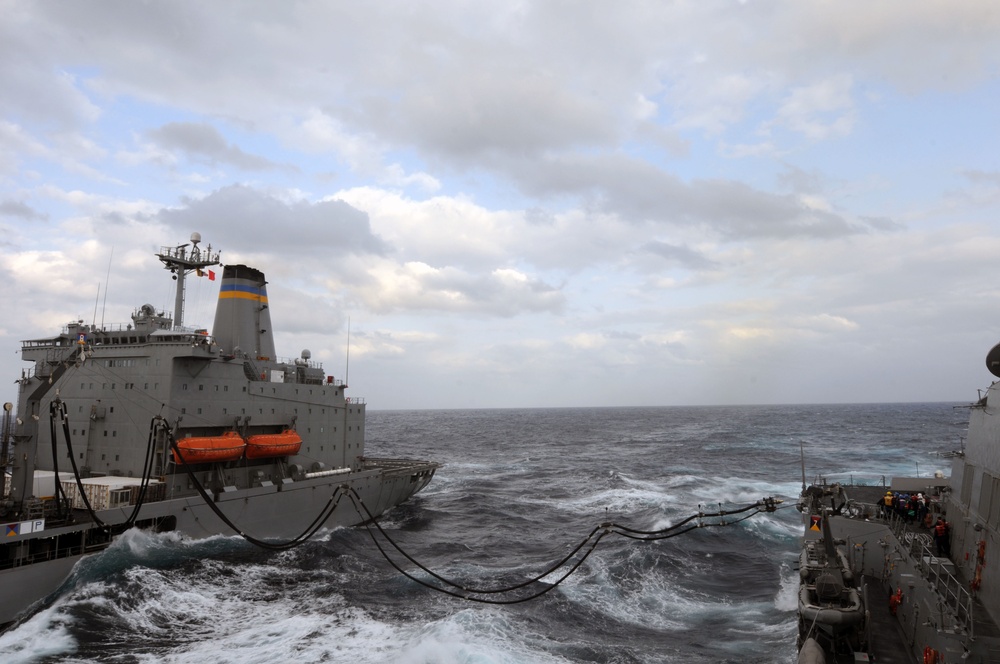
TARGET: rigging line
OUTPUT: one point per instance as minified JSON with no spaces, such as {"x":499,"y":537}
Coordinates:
{"x":662,"y":534}
{"x":143,"y":482}
{"x":60,"y":406}
{"x":150,"y":453}
{"x":99,"y":370}
{"x":135,"y":396}
{"x":480,"y":600}
{"x":699,"y":515}
{"x":147,"y":468}
{"x":323,"y":516}
{"x":686,"y":530}
{"x":480,"y":591}
{"x":107,"y":281}
{"x":668,"y":528}
{"x":125,"y":396}
{"x":607,"y":528}
{"x":96,"y":301}
{"x":658,"y":537}
{"x":58,"y":489}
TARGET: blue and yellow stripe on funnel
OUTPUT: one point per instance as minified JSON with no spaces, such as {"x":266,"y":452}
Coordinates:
{"x":239,"y":291}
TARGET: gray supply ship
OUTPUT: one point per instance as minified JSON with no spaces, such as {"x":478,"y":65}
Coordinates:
{"x":908,"y":571}
{"x":154,"y":425}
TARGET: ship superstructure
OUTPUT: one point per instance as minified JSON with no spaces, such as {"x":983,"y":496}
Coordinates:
{"x":922,"y":556}
{"x":158,"y":425}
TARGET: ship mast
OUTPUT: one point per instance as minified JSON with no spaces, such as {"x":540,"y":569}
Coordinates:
{"x":179,"y":260}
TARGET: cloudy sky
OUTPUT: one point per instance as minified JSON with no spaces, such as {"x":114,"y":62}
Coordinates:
{"x":525,"y":203}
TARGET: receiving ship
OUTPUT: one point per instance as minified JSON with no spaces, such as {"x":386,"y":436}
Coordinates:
{"x":908,"y":571}
{"x":160,"y":426}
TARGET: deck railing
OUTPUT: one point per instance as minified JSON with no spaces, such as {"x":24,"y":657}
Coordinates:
{"x":935,"y":569}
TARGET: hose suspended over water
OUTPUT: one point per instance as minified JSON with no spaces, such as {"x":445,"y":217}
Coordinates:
{"x":466,"y":592}
{"x":57,"y":410}
{"x":470,"y":592}
{"x":568,"y":564}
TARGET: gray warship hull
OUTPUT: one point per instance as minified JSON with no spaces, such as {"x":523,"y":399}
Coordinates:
{"x":155,"y":425}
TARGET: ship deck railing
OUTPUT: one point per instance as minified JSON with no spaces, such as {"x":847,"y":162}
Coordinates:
{"x":54,"y":553}
{"x":851,"y":480}
{"x":935,"y":569}
{"x":393,"y":466}
{"x":386,"y":462}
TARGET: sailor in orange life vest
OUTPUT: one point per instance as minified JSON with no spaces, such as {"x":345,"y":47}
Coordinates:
{"x":895,"y":601}
{"x":942,"y":537}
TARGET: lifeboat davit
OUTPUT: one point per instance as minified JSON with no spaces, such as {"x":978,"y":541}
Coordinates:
{"x":264,"y":445}
{"x":210,"y":449}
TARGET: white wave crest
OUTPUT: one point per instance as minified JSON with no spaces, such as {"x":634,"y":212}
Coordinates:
{"x":43,"y":635}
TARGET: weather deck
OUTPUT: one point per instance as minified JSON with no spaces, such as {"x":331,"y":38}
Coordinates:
{"x":892,"y":554}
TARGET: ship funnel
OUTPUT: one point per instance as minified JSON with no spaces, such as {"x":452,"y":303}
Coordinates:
{"x":242,"y":319}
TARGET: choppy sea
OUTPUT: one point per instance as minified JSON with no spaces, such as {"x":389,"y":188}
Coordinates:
{"x":519,"y":489}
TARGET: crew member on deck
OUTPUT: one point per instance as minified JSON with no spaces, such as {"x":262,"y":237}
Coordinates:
{"x":942,"y":537}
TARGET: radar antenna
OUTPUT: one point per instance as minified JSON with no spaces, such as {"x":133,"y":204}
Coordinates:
{"x":180,"y":261}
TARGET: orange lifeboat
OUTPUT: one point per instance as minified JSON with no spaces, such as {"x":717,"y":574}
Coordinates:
{"x":266,"y":445}
{"x":210,"y":449}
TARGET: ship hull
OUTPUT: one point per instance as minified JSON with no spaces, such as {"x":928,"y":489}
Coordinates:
{"x":278,"y":513}
{"x":158,"y":426}
{"x":26,"y":585}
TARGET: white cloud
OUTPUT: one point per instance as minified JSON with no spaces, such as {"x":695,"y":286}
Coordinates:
{"x":821,"y":110}
{"x":657,"y":198}
{"x":418,"y":286}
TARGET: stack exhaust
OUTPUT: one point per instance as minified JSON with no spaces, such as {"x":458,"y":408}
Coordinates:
{"x":242,"y":319}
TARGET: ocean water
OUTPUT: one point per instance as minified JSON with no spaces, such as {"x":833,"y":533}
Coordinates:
{"x":519,"y":490}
